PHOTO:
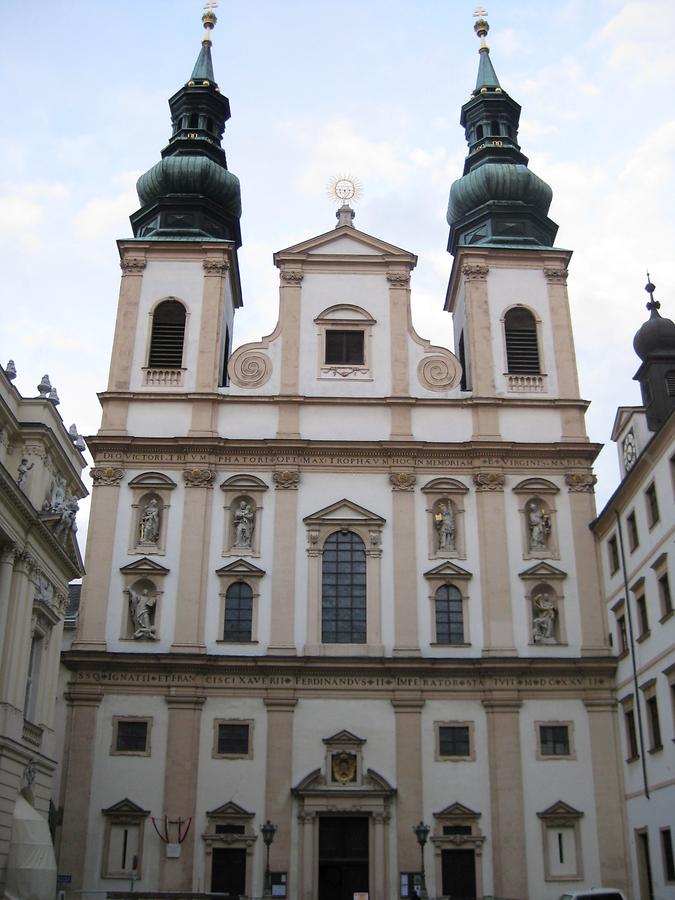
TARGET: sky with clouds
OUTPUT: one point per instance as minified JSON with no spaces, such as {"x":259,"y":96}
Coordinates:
{"x":373,"y":88}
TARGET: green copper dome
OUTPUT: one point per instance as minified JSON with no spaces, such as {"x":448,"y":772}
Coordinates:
{"x":501,"y":182}
{"x":191,"y":175}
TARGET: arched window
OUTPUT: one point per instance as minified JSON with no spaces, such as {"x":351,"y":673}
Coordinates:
{"x":238,"y":612}
{"x":522,"y":350}
{"x":168,"y":334}
{"x":479,"y":132}
{"x":494,"y":128}
{"x":343,"y":589}
{"x":449,"y":615}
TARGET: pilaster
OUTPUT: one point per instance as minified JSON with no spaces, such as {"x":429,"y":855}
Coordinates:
{"x":133,"y":264}
{"x":406,"y":640}
{"x":278,"y":801}
{"x":282,"y":612}
{"x":289,"y":322}
{"x":410,"y":806}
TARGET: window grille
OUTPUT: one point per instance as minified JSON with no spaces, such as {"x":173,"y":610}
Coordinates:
{"x":554,"y":740}
{"x":238,"y":612}
{"x":449,"y":615}
{"x":522,"y":349}
{"x":343,"y":594}
{"x":132,"y":737}
{"x":344,"y":348}
{"x":233,"y":739}
{"x":453,"y":740}
{"x":168,"y":334}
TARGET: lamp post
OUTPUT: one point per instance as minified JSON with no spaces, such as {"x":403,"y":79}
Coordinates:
{"x":268,"y":831}
{"x":422,"y":833}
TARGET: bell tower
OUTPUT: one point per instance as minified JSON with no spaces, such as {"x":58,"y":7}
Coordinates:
{"x":507,"y":291}
{"x":180,"y":279}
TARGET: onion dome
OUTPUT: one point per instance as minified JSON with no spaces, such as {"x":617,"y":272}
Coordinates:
{"x":190,"y":192}
{"x":498,"y":201}
{"x":655,"y":339}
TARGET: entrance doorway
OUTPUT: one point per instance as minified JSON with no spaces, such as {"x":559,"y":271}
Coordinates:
{"x":458,"y":870}
{"x":228,"y":871}
{"x":343,"y":857}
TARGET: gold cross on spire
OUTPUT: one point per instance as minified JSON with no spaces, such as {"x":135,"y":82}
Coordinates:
{"x":209,"y":19}
{"x":481,"y":26}
{"x":211,"y":5}
{"x":479,"y":12}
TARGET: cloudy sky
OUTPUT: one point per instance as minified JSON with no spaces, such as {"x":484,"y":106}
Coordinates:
{"x":372,"y":88}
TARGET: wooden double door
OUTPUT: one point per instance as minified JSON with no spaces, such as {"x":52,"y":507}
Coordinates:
{"x":228,"y":871}
{"x":343,"y":857}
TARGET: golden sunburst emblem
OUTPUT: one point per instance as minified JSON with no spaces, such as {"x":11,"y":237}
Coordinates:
{"x":345,"y":188}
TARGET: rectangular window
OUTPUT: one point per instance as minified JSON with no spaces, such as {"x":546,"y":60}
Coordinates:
{"x":131,"y":736}
{"x":33,"y":679}
{"x":643,"y":618}
{"x":453,"y":740}
{"x":613,"y":553}
{"x":668,"y":860}
{"x":623,"y":634}
{"x":344,"y":348}
{"x":554,"y":740}
{"x":654,"y":724}
{"x":665,"y":596}
{"x":652,"y":505}
{"x":233,"y":739}
{"x":631,"y":735}
{"x":631,"y":524}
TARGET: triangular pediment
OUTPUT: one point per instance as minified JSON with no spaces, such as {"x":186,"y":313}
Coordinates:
{"x":624,"y":414}
{"x":457,"y":811}
{"x":560,"y":809}
{"x":125,"y":807}
{"x":315,"y":784}
{"x":543,"y":570}
{"x":144,"y":566}
{"x":241,"y":567}
{"x":344,"y":240}
{"x":344,"y":511}
{"x":230,"y":810}
{"x":448,"y":570}
{"x":344,"y":737}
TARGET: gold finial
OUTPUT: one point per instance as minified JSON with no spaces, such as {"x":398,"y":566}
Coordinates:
{"x":209,"y":19}
{"x":345,"y":188}
{"x":481,"y":26}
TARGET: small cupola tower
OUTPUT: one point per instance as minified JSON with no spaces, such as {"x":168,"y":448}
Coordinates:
{"x":190,"y":192}
{"x":654,"y":343}
{"x":498,"y":200}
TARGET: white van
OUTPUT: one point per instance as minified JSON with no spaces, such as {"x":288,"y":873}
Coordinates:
{"x":599,"y":893}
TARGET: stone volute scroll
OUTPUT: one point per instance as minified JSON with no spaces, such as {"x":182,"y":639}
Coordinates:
{"x":202,"y":478}
{"x":489,"y":481}
{"x":580,"y":482}
{"x":106,"y":475}
{"x":403,"y":481}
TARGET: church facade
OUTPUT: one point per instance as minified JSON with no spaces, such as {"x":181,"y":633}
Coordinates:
{"x":341,"y":580}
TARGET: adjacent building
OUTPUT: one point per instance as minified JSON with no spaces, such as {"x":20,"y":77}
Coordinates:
{"x":341,"y":580}
{"x":635,"y":533}
{"x":40,"y":466}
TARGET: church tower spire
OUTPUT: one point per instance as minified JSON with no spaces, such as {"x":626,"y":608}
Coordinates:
{"x":190,"y":192}
{"x":498,"y":200}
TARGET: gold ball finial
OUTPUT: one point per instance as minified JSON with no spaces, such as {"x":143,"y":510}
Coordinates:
{"x":481,"y":26}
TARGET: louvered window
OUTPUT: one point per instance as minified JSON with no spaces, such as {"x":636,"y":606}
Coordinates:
{"x":670,"y":382}
{"x":522,"y":351}
{"x":168,"y":333}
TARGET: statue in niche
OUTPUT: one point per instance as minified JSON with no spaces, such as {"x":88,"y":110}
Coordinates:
{"x":538,"y":525}
{"x":141,"y":609}
{"x":544,"y":619}
{"x":244,"y":521}
{"x":444,"y":522}
{"x":149,"y":525}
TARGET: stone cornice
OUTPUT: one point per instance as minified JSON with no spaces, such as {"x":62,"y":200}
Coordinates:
{"x":176,"y":453}
{"x":287,"y":678}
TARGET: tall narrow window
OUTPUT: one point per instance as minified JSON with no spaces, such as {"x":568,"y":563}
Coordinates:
{"x":522,"y":349}
{"x":224,"y":380}
{"x":343,"y":594}
{"x":623,"y":634}
{"x":665,"y":595}
{"x":631,"y":734}
{"x":613,"y":553}
{"x":668,"y":859}
{"x":633,"y":537}
{"x":449,"y":615}
{"x":168,"y":334}
{"x":238,"y":612}
{"x":643,"y":617}
{"x":654,"y":724}
{"x":652,"y":505}
{"x":33,"y":679}
{"x":463,"y":384}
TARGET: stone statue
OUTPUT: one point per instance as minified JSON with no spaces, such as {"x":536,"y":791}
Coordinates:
{"x":444,"y":520}
{"x":244,"y":521}
{"x":57,"y":495}
{"x":141,"y":605}
{"x":67,"y":512}
{"x":24,"y":469}
{"x":149,"y":524}
{"x":539,"y":526}
{"x":544,"y":619}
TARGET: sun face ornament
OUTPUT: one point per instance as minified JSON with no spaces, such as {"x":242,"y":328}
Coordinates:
{"x":345,"y":188}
